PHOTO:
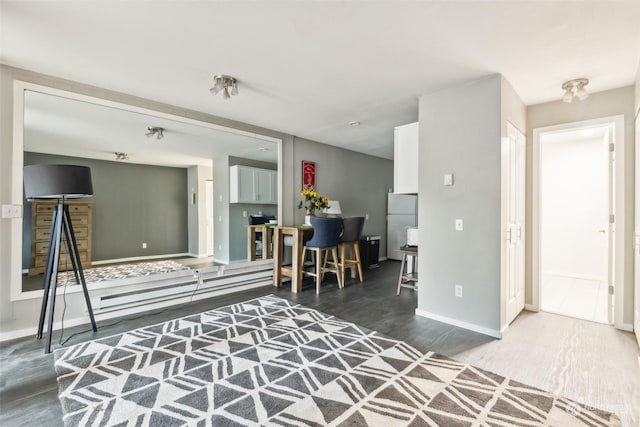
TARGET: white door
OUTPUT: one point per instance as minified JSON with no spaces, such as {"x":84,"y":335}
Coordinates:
{"x":610,"y":228}
{"x":636,"y":252}
{"x":209,"y":216}
{"x":513,"y":170}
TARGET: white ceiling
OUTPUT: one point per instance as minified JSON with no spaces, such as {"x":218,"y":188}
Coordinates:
{"x":309,"y":68}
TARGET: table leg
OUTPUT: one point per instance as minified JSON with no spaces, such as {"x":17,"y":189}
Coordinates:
{"x":402,"y":268}
{"x":251,"y":244}
{"x":267,"y":237}
{"x":296,"y":279}
{"x":277,"y":258}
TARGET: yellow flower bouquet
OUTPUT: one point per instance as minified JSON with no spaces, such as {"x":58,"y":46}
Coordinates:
{"x":313,"y":201}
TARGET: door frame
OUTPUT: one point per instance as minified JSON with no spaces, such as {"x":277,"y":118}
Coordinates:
{"x":619,"y":187}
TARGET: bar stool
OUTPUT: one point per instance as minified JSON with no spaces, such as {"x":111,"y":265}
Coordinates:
{"x":350,"y":246}
{"x":325,"y":240}
{"x":408,"y":280}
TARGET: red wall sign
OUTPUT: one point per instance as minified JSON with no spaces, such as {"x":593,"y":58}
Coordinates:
{"x":308,"y":175}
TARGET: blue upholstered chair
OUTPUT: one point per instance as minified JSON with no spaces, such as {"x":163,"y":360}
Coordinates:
{"x":325,"y":241}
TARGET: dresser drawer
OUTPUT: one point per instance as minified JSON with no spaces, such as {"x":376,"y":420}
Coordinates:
{"x":76,"y":219}
{"x":44,"y":233}
{"x":65,"y":261}
{"x":49,"y":207}
{"x":42,"y":247}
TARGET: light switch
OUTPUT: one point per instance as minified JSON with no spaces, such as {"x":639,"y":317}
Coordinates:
{"x":448,"y":179}
{"x":459,"y":225}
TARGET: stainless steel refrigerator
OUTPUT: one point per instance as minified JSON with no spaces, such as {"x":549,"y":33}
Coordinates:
{"x":402,"y":213}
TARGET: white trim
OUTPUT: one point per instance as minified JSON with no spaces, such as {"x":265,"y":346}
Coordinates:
{"x":531,"y":307}
{"x":5,"y":336}
{"x":138,"y":258}
{"x":470,"y":326}
{"x":619,"y":173}
{"x":627,"y":327}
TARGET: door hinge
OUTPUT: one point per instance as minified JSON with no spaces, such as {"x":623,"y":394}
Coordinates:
{"x":610,"y":289}
{"x":611,"y":147}
{"x":612,"y":219}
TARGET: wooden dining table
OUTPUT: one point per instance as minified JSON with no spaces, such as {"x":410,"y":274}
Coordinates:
{"x":297,"y":232}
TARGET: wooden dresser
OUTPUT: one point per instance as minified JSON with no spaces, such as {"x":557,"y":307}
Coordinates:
{"x":42,"y":214}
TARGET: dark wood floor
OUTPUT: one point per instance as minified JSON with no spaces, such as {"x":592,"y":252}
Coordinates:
{"x":28,"y":390}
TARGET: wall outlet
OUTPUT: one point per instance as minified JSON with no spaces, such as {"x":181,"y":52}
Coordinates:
{"x":366,"y":216}
{"x":144,"y":246}
{"x":459,"y":225}
{"x":244,"y":214}
{"x":219,"y":247}
{"x":458,"y":291}
{"x":11,"y":211}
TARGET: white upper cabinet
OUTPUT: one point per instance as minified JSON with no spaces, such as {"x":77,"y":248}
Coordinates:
{"x":252,"y":185}
{"x":405,"y":159}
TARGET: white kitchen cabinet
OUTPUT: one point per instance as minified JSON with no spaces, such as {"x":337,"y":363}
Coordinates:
{"x":405,"y":159}
{"x":252,"y":185}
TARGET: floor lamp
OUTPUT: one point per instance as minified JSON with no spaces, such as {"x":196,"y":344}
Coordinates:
{"x":59,"y":182}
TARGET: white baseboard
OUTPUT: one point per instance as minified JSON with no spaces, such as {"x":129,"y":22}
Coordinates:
{"x":461,"y":324}
{"x":138,"y":258}
{"x":100,"y":316}
{"x":627,"y":327}
{"x":531,"y":307}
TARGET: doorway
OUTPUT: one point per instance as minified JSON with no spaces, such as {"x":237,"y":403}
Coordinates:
{"x":575,"y":208}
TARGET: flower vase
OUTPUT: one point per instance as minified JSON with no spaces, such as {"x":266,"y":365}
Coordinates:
{"x":307,"y":218}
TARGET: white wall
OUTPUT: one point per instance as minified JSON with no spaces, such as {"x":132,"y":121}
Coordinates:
{"x":460,"y":130}
{"x":197,"y":213}
{"x":573,"y":204}
{"x":602,"y":104}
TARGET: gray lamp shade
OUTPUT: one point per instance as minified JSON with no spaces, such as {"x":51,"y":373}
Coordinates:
{"x":57,"y":181}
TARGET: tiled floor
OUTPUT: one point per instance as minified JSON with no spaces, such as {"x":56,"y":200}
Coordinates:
{"x":570,"y":296}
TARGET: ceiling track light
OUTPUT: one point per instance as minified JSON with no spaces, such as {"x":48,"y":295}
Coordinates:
{"x":155,"y":130}
{"x":575,"y":88}
{"x":121,"y":156}
{"x":226,"y":84}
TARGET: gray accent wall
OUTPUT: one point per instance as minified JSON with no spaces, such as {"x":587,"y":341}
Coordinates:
{"x":460,"y":132}
{"x":132,"y":204}
{"x":358,"y":181}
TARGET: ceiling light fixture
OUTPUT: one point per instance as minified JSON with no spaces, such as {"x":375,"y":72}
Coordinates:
{"x":227,"y":84}
{"x":155,"y":130}
{"x":354,"y":123}
{"x":121,"y":156}
{"x":575,"y":88}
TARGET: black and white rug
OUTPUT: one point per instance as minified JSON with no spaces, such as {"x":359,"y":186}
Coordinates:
{"x":122,"y":271}
{"x":271,"y":362}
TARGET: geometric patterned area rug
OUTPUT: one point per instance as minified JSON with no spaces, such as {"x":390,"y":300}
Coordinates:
{"x":269,"y":361}
{"x":122,"y":271}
